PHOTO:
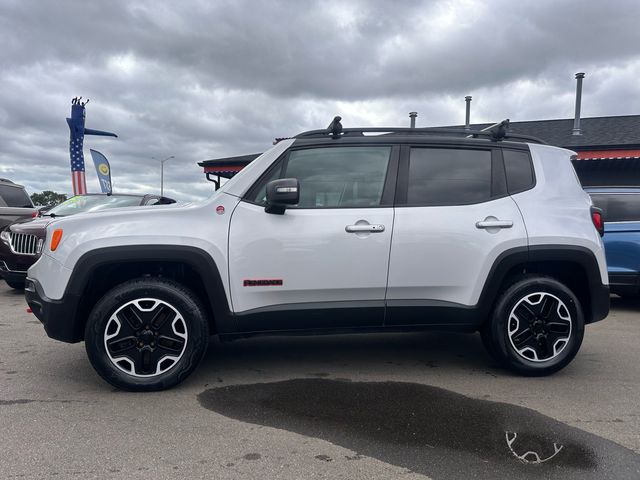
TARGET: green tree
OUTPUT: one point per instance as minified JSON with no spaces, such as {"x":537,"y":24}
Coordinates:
{"x":47,"y":198}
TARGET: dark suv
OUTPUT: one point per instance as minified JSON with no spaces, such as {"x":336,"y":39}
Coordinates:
{"x":21,"y":242}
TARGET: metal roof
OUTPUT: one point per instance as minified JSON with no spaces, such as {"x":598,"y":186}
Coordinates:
{"x":615,"y":131}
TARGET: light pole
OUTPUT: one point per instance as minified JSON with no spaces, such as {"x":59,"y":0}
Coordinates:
{"x":162,"y":172}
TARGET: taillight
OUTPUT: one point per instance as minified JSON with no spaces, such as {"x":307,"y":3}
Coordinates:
{"x":34,"y":214}
{"x":596,"y":218}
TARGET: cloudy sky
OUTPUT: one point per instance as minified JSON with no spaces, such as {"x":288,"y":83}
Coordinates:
{"x":206,"y":79}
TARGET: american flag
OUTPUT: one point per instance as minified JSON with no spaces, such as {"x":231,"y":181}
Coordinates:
{"x":77,"y":166}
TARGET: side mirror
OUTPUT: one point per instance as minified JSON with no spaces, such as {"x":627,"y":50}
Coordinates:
{"x":280,"y":193}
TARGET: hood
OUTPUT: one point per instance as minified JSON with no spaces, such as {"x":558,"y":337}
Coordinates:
{"x":37,"y":226}
{"x":124,"y":215}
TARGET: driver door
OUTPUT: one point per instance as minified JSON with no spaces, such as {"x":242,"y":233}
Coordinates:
{"x":323,"y":263}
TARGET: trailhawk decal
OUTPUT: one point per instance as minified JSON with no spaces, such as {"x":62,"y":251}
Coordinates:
{"x":266,"y":282}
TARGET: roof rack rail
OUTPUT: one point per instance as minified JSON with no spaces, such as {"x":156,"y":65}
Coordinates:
{"x":495,"y":133}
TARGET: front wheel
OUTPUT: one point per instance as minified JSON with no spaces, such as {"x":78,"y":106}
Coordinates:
{"x":536,"y":327}
{"x":146,"y":334}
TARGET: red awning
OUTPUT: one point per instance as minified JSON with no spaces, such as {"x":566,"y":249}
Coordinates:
{"x":223,"y":169}
{"x":608,"y":154}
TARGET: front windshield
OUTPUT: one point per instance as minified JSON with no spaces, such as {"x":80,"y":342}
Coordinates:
{"x":92,"y":203}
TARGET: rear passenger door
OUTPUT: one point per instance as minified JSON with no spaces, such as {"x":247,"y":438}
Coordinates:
{"x":453,"y":219}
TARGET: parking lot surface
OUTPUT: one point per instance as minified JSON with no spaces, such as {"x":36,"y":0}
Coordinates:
{"x":415,"y":405}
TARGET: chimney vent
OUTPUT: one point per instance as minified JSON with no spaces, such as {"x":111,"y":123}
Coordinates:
{"x":412,"y":116}
{"x":467,"y":118}
{"x":576,"y":119}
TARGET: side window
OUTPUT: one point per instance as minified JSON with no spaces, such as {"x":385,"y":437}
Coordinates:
{"x":517,"y":166}
{"x":15,"y":196}
{"x":618,"y":207}
{"x":448,"y":176}
{"x":335,"y":177}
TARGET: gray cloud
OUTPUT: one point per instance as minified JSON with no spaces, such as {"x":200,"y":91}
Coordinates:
{"x":204,"y":79}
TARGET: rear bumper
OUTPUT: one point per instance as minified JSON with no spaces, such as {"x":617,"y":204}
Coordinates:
{"x":57,"y":316}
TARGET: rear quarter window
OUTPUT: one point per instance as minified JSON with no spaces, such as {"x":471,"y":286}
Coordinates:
{"x":618,"y":207}
{"x":519,"y":171}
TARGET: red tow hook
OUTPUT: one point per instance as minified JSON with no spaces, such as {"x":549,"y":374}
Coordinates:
{"x":29,"y":310}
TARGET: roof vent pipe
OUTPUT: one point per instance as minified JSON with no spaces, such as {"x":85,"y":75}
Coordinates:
{"x":576,"y":120}
{"x":412,"y":116}
{"x":467,"y":118}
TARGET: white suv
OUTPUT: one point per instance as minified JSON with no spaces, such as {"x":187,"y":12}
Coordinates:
{"x":337,"y":231}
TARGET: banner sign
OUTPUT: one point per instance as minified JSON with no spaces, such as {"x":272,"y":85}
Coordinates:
{"x":103,"y":170}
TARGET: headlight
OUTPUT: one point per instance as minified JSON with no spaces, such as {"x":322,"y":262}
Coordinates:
{"x":4,"y":236}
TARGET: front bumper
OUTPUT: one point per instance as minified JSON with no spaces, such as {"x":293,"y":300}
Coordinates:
{"x":58,"y":316}
{"x":10,"y":275}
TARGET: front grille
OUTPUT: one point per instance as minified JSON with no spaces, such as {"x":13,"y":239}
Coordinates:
{"x":23,"y":243}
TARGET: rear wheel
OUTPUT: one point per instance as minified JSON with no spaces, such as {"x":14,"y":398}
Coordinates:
{"x":536,"y":327}
{"x":146,"y":334}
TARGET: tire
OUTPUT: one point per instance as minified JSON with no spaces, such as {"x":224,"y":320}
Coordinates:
{"x":536,"y":327}
{"x":17,"y":285}
{"x":146,"y":334}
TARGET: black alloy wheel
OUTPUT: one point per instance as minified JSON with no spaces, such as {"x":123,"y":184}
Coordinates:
{"x":536,"y":327}
{"x":146,"y":334}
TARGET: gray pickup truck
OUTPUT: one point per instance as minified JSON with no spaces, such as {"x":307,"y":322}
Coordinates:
{"x":15,"y":204}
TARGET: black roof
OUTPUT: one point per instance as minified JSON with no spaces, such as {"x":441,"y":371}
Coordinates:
{"x":610,"y":132}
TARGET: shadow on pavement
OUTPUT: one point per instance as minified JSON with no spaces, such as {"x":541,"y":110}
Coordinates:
{"x":625,"y":303}
{"x":361,"y":352}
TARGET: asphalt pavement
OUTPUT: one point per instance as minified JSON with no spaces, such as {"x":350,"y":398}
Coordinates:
{"x":414,"y":405}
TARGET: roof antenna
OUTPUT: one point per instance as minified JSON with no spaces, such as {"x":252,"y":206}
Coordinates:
{"x":335,"y":127}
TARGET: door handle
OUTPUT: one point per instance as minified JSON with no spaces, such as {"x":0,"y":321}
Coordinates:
{"x":494,"y":224}
{"x":364,"y":228}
